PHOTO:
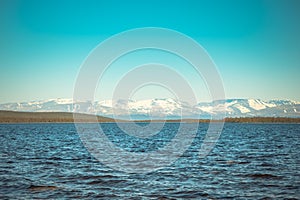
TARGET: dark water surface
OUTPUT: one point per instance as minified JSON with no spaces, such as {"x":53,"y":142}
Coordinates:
{"x":250,"y":161}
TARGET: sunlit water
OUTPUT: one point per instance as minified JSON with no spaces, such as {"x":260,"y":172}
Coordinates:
{"x":250,"y":161}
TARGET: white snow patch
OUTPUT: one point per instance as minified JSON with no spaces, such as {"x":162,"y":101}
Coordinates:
{"x":63,"y":101}
{"x":106,"y":103}
{"x":242,"y":108}
{"x":270,"y":105}
{"x":256,"y":104}
{"x":231,"y":103}
{"x":207,"y":109}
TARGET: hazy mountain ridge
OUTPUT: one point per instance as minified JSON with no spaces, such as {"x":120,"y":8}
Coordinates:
{"x":164,"y":108}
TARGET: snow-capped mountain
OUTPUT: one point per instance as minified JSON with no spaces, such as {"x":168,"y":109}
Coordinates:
{"x":164,"y":108}
{"x":254,"y":107}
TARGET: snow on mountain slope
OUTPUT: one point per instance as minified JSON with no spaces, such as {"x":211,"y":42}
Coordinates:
{"x":166,"y":108}
{"x":257,"y":104}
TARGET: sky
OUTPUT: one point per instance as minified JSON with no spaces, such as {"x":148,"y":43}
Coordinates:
{"x":254,"y":44}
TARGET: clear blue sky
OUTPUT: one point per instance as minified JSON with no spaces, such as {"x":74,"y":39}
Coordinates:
{"x":255,"y":44}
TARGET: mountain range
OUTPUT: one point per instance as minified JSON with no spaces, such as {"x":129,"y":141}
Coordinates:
{"x":167,"y":108}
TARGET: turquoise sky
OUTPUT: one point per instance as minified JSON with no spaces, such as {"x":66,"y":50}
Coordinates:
{"x":255,"y":44}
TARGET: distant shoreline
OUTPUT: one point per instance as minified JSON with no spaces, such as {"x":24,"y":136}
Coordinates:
{"x":10,"y":117}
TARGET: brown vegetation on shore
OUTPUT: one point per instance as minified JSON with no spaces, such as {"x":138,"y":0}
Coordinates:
{"x":48,"y":117}
{"x":62,"y":117}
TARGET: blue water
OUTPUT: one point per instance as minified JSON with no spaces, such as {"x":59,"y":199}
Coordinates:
{"x":250,"y":161}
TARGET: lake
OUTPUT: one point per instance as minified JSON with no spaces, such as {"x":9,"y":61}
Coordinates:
{"x":249,"y":161}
